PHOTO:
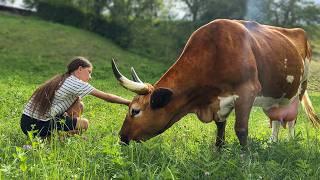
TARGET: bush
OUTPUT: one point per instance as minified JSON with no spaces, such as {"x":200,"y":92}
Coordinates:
{"x":120,"y":34}
{"x":61,"y":13}
{"x":162,"y":40}
{"x":68,"y":14}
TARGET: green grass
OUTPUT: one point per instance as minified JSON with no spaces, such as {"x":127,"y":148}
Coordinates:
{"x":32,"y":51}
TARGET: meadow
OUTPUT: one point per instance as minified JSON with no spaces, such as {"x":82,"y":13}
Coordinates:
{"x":32,"y":50}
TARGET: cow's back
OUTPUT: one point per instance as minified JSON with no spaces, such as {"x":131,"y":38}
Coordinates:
{"x":298,"y":37}
{"x":226,"y":53}
{"x":280,"y":54}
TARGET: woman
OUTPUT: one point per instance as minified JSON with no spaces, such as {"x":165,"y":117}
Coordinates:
{"x":56,"y":105}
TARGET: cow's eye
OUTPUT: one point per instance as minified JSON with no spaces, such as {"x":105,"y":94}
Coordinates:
{"x":135,"y":112}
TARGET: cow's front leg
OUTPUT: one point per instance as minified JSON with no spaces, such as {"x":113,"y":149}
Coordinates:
{"x":243,"y":107}
{"x":220,"y":140}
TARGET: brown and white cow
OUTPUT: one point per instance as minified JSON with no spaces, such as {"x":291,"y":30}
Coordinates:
{"x":225,"y":65}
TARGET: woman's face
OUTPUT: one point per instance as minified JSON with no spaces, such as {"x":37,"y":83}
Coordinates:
{"x":83,"y":73}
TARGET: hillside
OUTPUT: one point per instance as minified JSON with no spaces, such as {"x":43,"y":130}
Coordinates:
{"x":35,"y":43}
{"x":29,"y":45}
{"x":32,"y":50}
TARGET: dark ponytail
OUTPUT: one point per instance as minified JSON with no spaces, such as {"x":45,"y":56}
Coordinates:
{"x":43,"y":96}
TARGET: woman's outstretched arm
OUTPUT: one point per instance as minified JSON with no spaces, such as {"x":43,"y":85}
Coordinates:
{"x":110,"y":97}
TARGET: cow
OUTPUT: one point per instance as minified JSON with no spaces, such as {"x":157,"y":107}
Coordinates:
{"x":225,"y":65}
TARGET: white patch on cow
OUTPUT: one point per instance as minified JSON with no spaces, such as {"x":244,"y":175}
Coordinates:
{"x":305,"y":75}
{"x":306,"y":70}
{"x":285,"y":63}
{"x":290,"y":79}
{"x":301,"y":72}
{"x":299,"y":90}
{"x":208,"y":114}
{"x":226,"y":105}
{"x":269,"y":102}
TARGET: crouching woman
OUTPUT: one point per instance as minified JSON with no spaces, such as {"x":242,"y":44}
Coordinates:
{"x":56,"y":105}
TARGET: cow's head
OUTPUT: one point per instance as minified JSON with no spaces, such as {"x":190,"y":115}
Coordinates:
{"x":148,"y":113}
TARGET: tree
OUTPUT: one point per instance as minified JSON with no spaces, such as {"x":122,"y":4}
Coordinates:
{"x":310,"y":14}
{"x":286,"y":12}
{"x":34,"y":3}
{"x":231,"y":9}
{"x":5,"y":1}
{"x":90,"y":6}
{"x":128,"y":11}
{"x":204,"y":11}
{"x":194,"y":7}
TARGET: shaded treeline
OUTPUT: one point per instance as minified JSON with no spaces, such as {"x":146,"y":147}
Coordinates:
{"x":146,"y":26}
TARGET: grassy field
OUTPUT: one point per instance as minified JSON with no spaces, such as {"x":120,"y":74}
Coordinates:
{"x":32,"y":51}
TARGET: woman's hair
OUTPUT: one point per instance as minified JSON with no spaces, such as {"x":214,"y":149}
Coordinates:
{"x":43,"y":96}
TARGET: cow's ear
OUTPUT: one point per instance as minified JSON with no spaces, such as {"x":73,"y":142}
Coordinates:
{"x":160,"y":97}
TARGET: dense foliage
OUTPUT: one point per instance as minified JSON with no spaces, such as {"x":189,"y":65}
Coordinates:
{"x":287,"y":13}
{"x":148,"y":28}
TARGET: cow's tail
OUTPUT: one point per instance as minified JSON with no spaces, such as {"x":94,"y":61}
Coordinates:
{"x":308,"y":108}
{"x":308,"y":50}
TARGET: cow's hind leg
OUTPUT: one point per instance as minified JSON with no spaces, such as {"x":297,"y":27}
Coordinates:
{"x":275,"y":130}
{"x":243,"y":107}
{"x":220,"y":140}
{"x":291,"y":132}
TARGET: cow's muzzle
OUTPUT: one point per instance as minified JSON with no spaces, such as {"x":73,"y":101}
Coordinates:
{"x":124,"y":140}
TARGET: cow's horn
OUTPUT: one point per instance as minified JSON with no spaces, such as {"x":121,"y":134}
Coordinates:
{"x":139,"y":88}
{"x":134,"y":75}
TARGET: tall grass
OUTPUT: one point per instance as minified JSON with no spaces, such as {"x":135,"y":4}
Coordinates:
{"x":32,"y":51}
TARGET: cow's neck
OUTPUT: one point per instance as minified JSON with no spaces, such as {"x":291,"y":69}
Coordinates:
{"x":189,"y":91}
{"x":179,"y":78}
